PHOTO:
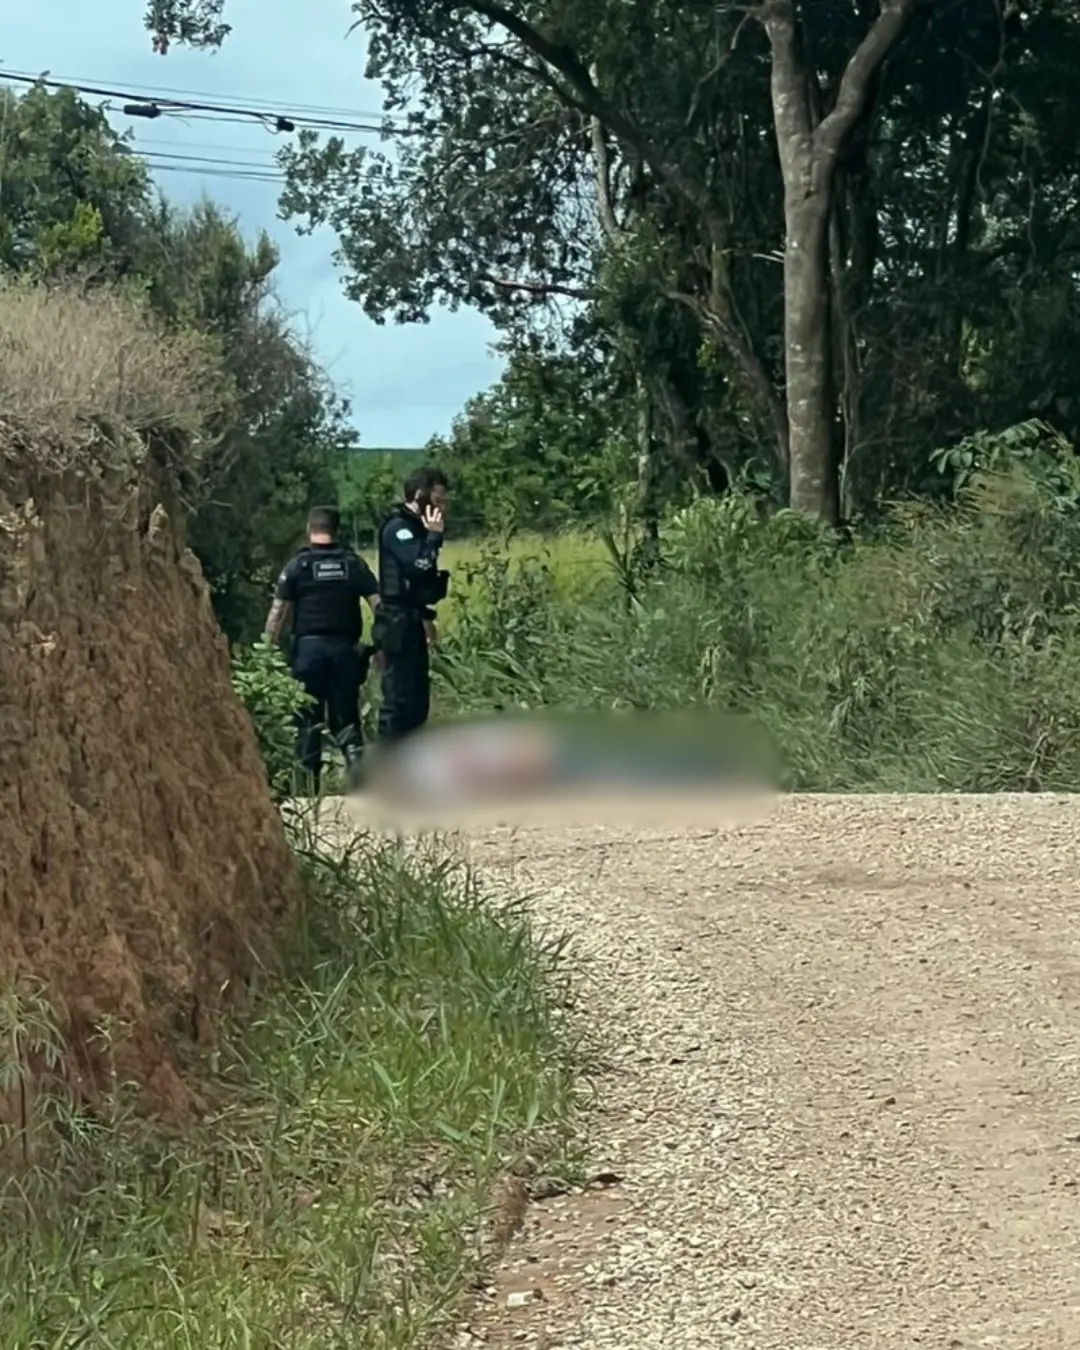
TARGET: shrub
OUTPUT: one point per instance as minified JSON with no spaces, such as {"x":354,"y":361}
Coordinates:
{"x":74,"y":361}
{"x":262,"y":679}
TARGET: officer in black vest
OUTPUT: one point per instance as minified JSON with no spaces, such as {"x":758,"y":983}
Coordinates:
{"x":323,"y":586}
{"x":411,"y":584}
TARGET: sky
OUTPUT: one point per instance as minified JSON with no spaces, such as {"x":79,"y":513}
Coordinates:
{"x":406,"y":383}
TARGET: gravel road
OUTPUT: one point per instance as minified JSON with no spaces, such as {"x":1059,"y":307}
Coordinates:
{"x":843,"y":1103}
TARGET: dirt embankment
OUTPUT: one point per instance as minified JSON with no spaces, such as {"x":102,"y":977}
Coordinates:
{"x":142,"y":863}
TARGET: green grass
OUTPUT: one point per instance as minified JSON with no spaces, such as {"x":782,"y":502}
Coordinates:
{"x":416,"y":1053}
{"x":565,"y":553}
{"x":939,"y":651}
{"x":572,"y":560}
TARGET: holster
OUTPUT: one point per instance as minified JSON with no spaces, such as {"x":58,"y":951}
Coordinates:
{"x":388,"y":630}
{"x":421,"y":593}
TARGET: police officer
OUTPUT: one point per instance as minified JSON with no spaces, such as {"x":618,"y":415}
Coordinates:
{"x":411,"y":584}
{"x":322,"y":586}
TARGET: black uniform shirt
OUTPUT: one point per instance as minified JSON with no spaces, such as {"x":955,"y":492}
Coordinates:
{"x":325,"y":583}
{"x":408,"y":560}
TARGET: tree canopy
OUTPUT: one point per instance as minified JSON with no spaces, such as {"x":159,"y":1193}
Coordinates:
{"x":819,"y":237}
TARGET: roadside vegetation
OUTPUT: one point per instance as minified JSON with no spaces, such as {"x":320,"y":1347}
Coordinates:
{"x":622,"y":538}
{"x":367,"y":1121}
{"x":938,"y":650}
{"x":376,"y":1110}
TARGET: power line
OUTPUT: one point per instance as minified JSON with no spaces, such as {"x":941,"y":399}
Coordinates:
{"x":199,"y":95}
{"x":211,"y":160}
{"x":236,"y":175}
{"x":262,"y":166}
{"x":138,"y":105}
{"x":241,"y":119}
{"x":246,"y":150}
{"x":256,"y":167}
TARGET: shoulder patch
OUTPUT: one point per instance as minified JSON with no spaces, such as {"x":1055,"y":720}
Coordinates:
{"x":404,"y":534}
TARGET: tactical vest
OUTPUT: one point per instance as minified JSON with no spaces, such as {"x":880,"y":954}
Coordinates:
{"x":397,"y":588}
{"x":327,"y":593}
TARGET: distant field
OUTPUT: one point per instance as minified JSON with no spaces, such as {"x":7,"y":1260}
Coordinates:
{"x":566,"y":554}
{"x":573,"y":560}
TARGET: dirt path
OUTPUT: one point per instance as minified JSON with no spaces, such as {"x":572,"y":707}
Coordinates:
{"x":844,"y":1096}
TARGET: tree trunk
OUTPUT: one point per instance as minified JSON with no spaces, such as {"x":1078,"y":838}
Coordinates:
{"x":646,"y":466}
{"x":809,"y":151}
{"x":813,"y":478}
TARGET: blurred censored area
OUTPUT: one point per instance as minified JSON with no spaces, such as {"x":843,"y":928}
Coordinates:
{"x":632,"y":768}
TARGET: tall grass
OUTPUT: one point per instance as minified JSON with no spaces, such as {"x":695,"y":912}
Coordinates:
{"x":940,"y":651}
{"x":340,"y":1191}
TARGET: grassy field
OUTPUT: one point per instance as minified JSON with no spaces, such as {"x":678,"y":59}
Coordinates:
{"x":570,"y":560}
{"x":566,"y":554}
{"x":365,"y":1121}
{"x":566,"y":551}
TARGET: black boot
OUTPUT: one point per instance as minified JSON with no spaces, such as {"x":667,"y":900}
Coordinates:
{"x":308,"y":775}
{"x":352,"y":747}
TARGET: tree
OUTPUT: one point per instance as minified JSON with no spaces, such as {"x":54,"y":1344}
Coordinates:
{"x":277,"y":453}
{"x":822,"y":224}
{"x":506,"y":193}
{"x":561,"y":64}
{"x":814,"y":121}
{"x":73,"y":198}
{"x":368,"y":483}
{"x":71,"y":192}
{"x":544,"y":448}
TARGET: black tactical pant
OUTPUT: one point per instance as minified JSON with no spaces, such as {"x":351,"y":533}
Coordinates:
{"x":406,"y":673}
{"x":332,"y":672}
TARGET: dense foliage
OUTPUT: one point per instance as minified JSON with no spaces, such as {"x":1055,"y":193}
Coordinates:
{"x":942,"y":651}
{"x":818,"y":240}
{"x":75,"y":200}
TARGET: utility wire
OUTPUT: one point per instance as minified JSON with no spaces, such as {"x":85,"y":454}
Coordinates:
{"x":201,"y":96}
{"x":263,"y":156}
{"x":255,"y":167}
{"x":139,"y":105}
{"x":259,"y":166}
{"x":234,"y":175}
{"x":218,"y":168}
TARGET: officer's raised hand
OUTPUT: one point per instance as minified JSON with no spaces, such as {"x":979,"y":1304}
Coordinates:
{"x":433,"y":519}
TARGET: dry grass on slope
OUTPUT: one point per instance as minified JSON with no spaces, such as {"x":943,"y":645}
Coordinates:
{"x":77,"y":363}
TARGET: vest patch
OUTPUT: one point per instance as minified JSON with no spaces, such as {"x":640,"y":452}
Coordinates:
{"x":330,"y":569}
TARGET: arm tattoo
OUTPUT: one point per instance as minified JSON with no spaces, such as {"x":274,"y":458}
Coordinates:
{"x":275,"y":620}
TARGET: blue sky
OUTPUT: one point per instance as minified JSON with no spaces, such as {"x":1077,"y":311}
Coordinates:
{"x":406,"y":383}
